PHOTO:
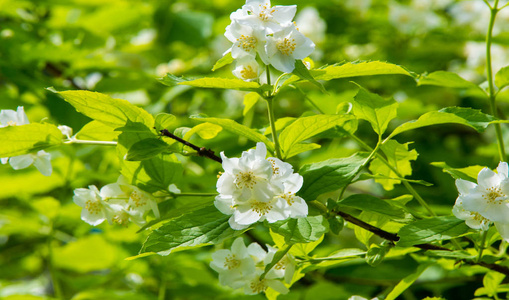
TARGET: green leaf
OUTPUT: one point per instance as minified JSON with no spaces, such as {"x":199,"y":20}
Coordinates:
{"x":223,"y":61}
{"x":502,"y":78}
{"x":298,"y":249}
{"x":250,"y":99}
{"x":307,"y":127}
{"x":172,"y":80}
{"x":445,"y":79}
{"x":374,"y":109}
{"x":451,"y":254}
{"x":329,"y":175}
{"x":301,"y":230}
{"x":23,"y":139}
{"x":365,"y":176}
{"x":469,"y":173}
{"x":145,"y":149}
{"x":204,"y":130}
{"x":375,"y":219}
{"x":103,"y":108}
{"x":164,"y":121}
{"x":370,"y":203}
{"x":237,"y":129}
{"x":406,"y":282}
{"x":430,"y":230}
{"x":377,"y":253}
{"x":97,"y":131}
{"x":198,"y":228}
{"x":221,"y":83}
{"x":491,"y":281}
{"x":397,"y":155}
{"x":302,"y":72}
{"x":458,"y":115}
{"x":299,"y":148}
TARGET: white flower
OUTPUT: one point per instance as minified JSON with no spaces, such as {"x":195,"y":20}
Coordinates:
{"x":95,"y":209}
{"x":247,"y":41}
{"x":284,"y":268}
{"x":247,"y":69}
{"x":489,"y":197}
{"x":287,"y":45}
{"x":66,"y":130}
{"x":41,"y":160}
{"x":121,"y":213}
{"x":138,"y":199}
{"x":472,"y":219}
{"x":255,"y":285}
{"x":247,"y":177}
{"x":260,"y":13}
{"x":233,"y":265}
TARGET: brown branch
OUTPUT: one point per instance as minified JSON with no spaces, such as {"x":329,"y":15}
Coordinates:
{"x":202,"y":151}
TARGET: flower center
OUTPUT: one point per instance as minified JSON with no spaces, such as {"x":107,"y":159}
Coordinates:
{"x":231,"y":262}
{"x":246,"y":42}
{"x":275,"y":170}
{"x":281,"y":264}
{"x":492,"y":194}
{"x":289,"y":198}
{"x":121,"y":218}
{"x":137,"y":199}
{"x":248,"y":73}
{"x":12,"y":123}
{"x":258,"y":286}
{"x":93,"y":207}
{"x":286,"y":46}
{"x":266,"y":12}
{"x":245,"y":180}
{"x":261,"y":208}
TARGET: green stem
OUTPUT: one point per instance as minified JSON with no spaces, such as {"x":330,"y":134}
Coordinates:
{"x":75,"y":141}
{"x":54,"y":280}
{"x":309,"y":100}
{"x":162,"y":288}
{"x":281,"y":253}
{"x":481,"y":245}
{"x":272,"y":122}
{"x":368,"y":159}
{"x":267,"y":73}
{"x":405,"y":183}
{"x":491,"y":87}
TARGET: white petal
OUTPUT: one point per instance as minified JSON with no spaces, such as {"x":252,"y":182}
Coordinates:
{"x":21,"y":161}
{"x":92,"y":219}
{"x":43,"y":163}
{"x":22,"y":118}
{"x":236,"y":226}
{"x":8,"y":117}
{"x":503,"y":229}
{"x":112,"y":190}
{"x":244,"y":215}
{"x":299,"y":208}
{"x":487,"y":178}
{"x":239,"y":248}
{"x":503,"y":169}
{"x":224,"y":204}
{"x":464,"y":186}
{"x":278,"y":286}
{"x":284,"y":13}
{"x":257,"y":251}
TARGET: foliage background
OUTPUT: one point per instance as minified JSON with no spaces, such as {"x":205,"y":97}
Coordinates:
{"x":120,"y":47}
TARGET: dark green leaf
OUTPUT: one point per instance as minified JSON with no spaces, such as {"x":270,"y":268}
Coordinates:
{"x":145,"y":149}
{"x":370,"y":203}
{"x":374,"y":109}
{"x":430,"y":230}
{"x":301,"y":230}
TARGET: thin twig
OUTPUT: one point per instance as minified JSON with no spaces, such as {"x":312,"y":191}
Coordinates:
{"x":202,"y":151}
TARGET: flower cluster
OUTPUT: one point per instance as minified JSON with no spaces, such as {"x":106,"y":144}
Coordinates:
{"x":117,"y":202}
{"x":41,"y":160}
{"x":241,"y":267}
{"x":486,"y":202}
{"x":254,"y":188}
{"x":267,"y":32}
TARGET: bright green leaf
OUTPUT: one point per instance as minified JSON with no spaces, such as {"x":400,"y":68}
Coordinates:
{"x":307,"y":127}
{"x":250,"y":99}
{"x":196,"y":229}
{"x":458,"y":115}
{"x":430,"y":230}
{"x":406,"y":282}
{"x":329,"y":175}
{"x":364,"y":236}
{"x":23,"y":139}
{"x":103,"y":108}
{"x":469,"y":173}
{"x":374,"y":109}
{"x":97,"y":131}
{"x":221,"y":83}
{"x":238,"y":129}
{"x":445,"y":79}
{"x":502,"y":78}
{"x":397,"y":155}
{"x":301,"y":230}
{"x":299,"y":148}
{"x":164,"y":121}
{"x":302,"y":72}
{"x":204,"y":130}
{"x":223,"y":61}
{"x":370,"y":203}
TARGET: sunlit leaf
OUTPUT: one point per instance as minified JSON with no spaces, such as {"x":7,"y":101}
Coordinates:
{"x":430,"y":230}
{"x":374,"y":109}
{"x":22,"y":139}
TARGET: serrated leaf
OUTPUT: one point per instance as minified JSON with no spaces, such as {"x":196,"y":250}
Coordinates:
{"x":221,"y":83}
{"x":458,"y":115}
{"x":301,"y":230}
{"x":103,"y":108}
{"x":97,"y":131}
{"x":23,"y":139}
{"x":430,"y":230}
{"x":298,"y":249}
{"x":374,"y":109}
{"x":172,"y":80}
{"x":223,"y":61}
{"x":469,"y":173}
{"x":329,"y":175}
{"x":445,"y":79}
{"x":502,"y":78}
{"x":307,"y":127}
{"x":370,"y":203}
{"x":397,"y":155}
{"x":145,"y":149}
{"x":299,"y":148}
{"x":491,"y":281}
{"x":238,"y":129}
{"x":374,"y":219}
{"x":198,"y":228}
{"x":377,"y":253}
{"x":302,"y":72}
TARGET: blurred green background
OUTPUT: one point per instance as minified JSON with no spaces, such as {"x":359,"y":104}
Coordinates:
{"x":121,"y":47}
